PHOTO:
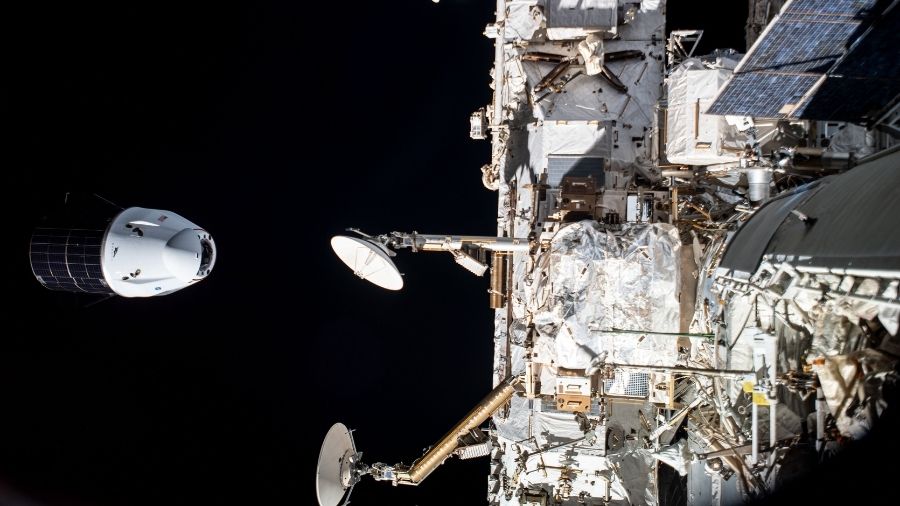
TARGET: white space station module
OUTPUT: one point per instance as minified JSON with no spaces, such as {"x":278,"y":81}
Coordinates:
{"x":139,"y":253}
{"x":695,"y":271}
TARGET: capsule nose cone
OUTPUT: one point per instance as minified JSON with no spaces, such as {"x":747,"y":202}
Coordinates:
{"x":182,"y":254}
{"x":207,"y":254}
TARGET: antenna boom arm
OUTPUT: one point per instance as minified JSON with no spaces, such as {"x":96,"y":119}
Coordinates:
{"x":437,"y":242}
{"x":444,"y":448}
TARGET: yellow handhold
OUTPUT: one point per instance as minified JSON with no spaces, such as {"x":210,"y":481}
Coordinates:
{"x":760,"y":399}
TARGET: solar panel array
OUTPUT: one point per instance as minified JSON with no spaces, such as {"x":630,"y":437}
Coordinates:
{"x":761,"y":95}
{"x":792,"y":56}
{"x":861,"y":85}
{"x":68,"y":259}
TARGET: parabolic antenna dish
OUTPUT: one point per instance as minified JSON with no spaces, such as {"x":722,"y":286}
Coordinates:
{"x":368,"y":261}
{"x":334,"y":475}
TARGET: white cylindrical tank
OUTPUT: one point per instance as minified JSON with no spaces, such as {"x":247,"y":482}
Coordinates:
{"x":141,"y":253}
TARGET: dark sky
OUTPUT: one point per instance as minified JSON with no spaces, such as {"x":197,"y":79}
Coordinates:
{"x":199,"y":397}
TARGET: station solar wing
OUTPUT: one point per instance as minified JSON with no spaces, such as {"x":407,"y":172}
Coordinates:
{"x":792,"y":57}
{"x":68,"y":259}
{"x":860,"y":86}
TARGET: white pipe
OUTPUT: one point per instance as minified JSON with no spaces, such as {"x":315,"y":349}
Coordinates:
{"x":820,"y":418}
{"x":455,"y":242}
{"x":754,"y":427}
{"x":529,"y":379}
{"x":684,"y":174}
{"x":771,"y":351}
{"x":773,"y":415}
{"x":508,"y":245}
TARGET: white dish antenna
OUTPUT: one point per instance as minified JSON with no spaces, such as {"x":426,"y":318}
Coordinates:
{"x":335,"y":474}
{"x":368,"y":260}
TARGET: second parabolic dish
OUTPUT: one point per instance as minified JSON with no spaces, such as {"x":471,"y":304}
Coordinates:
{"x":334,"y":473}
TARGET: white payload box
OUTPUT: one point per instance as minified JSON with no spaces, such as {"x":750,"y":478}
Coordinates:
{"x":693,"y":137}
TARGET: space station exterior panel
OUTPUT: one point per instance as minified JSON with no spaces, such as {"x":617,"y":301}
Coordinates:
{"x":680,"y":272}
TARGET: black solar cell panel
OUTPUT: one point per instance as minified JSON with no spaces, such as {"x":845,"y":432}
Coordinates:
{"x":68,"y":259}
{"x":818,"y":47}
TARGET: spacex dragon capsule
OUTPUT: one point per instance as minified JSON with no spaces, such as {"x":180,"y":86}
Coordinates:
{"x":139,"y":253}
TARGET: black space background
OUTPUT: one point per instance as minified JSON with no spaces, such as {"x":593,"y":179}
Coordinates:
{"x":221,"y":393}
